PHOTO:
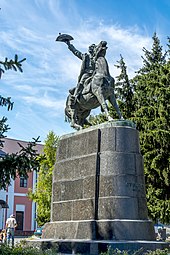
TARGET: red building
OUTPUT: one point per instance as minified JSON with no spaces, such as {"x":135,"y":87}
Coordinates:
{"x":15,"y":197}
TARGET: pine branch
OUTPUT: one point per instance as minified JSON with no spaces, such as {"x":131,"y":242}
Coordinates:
{"x":15,"y":65}
{"x":26,"y":160}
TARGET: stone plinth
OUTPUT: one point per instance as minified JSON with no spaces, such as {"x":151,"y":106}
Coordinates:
{"x":98,"y":186}
{"x":95,"y":247}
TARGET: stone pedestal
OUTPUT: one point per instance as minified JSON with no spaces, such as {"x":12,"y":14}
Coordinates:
{"x":98,"y":186}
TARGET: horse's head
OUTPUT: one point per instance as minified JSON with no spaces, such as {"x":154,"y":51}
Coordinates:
{"x":101,"y":49}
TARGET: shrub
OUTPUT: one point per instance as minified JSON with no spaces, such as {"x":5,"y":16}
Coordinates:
{"x":19,"y":250}
{"x":111,"y":251}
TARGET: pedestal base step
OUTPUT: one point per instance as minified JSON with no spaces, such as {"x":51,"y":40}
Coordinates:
{"x":117,"y":229}
{"x":93,"y":247}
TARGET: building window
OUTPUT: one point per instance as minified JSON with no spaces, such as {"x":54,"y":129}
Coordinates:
{"x":23,"y":182}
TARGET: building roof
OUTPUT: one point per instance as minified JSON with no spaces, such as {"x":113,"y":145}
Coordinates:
{"x":11,"y":146}
{"x":2,"y":154}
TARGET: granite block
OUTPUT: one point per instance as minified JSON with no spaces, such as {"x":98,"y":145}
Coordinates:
{"x":142,"y":208}
{"x":121,"y":185}
{"x":108,"y":136}
{"x":78,"y":145}
{"x":75,"y":168}
{"x":125,"y":230}
{"x":139,"y":164}
{"x":56,"y":191}
{"x":114,"y":163}
{"x":118,"y":208}
{"x":86,"y":229}
{"x":127,"y":140}
{"x":70,"y":230}
{"x":71,"y":190}
{"x":62,"y":211}
{"x":89,"y":186}
{"x":83,"y":209}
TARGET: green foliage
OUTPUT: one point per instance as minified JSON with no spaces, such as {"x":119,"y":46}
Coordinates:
{"x":3,"y":128}
{"x":20,"y":163}
{"x":154,"y":58}
{"x":159,"y":252}
{"x":15,"y":65}
{"x":6,"y":102}
{"x":152,"y":116}
{"x":23,"y":249}
{"x":111,"y":251}
{"x":19,"y":249}
{"x":124,"y":91}
{"x":42,"y":194}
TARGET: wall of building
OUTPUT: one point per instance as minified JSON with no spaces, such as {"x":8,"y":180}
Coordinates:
{"x":17,"y":200}
{"x":16,"y":196}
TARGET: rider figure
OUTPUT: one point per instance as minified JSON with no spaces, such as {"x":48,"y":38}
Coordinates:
{"x":87,"y":67}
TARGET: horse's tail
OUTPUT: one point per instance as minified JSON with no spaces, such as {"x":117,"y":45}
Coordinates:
{"x":67,"y":110}
{"x":67,"y":114}
{"x":67,"y":119}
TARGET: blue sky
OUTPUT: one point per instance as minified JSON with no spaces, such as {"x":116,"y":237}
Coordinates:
{"x":29,"y":28}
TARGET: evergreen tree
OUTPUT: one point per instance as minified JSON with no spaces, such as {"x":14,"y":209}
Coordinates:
{"x":168,"y":51}
{"x":43,"y":192}
{"x":26,"y":160}
{"x":152,"y":116}
{"x":124,"y":90}
{"x":153,"y":58}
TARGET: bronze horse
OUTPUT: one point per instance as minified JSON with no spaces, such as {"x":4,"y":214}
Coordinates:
{"x":97,"y":89}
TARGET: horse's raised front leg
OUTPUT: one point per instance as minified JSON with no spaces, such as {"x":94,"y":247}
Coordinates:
{"x":113,"y":102}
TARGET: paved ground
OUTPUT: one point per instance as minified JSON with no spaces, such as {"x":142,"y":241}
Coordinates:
{"x":18,"y":239}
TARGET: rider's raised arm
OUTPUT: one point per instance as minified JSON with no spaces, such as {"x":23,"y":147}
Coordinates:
{"x":76,"y":52}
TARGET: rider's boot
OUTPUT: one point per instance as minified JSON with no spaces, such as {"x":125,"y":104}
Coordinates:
{"x":78,"y":91}
{"x":75,"y":98}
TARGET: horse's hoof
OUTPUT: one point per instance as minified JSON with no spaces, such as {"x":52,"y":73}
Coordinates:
{"x":79,"y":127}
{"x":76,"y":126}
{"x":110,"y":118}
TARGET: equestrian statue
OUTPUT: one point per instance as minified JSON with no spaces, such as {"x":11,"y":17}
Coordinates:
{"x":95,"y":84}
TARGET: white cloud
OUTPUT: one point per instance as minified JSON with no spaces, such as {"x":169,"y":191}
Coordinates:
{"x":45,"y":102}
